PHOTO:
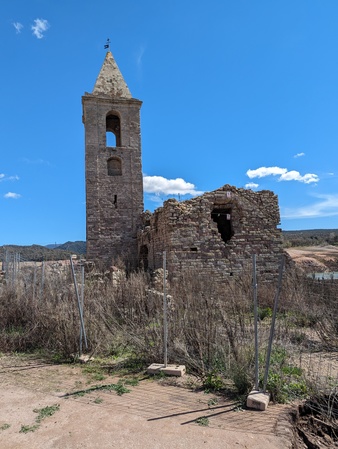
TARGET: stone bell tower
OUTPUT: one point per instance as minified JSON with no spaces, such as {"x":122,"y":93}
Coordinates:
{"x":114,"y":188}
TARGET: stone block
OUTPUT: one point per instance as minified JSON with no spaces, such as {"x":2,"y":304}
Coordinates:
{"x":258,"y":400}
{"x":169,"y":370}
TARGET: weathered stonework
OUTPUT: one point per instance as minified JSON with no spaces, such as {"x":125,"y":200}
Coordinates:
{"x":114,"y":188}
{"x":216,"y":233}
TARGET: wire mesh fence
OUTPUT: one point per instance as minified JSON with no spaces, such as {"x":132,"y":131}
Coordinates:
{"x":210,"y":327}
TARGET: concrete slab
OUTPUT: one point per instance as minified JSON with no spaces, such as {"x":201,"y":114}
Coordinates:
{"x":258,"y":400}
{"x":174,"y":370}
{"x":169,"y":370}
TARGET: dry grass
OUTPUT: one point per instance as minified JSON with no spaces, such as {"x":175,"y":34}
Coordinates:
{"x":210,"y":326}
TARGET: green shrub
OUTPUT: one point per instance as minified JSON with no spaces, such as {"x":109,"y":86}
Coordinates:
{"x":264,"y":312}
{"x":242,"y":380}
{"x":213,"y":381}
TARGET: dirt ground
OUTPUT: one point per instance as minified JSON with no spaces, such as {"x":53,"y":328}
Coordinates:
{"x":152,"y":415}
{"x":315,"y":258}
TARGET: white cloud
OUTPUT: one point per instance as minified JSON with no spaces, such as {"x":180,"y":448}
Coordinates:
{"x":251,"y":185}
{"x":265,"y":171}
{"x":35,"y":161}
{"x":283,"y":173}
{"x":39,"y":27}
{"x":160,"y":185}
{"x":12,"y":195}
{"x":3,"y":177}
{"x":327,"y":207}
{"x":299,"y":155}
{"x":294,"y":175}
{"x":155,"y":199}
{"x":18,"y":27}
{"x":140,"y":56}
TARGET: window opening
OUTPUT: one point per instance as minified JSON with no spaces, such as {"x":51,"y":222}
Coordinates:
{"x":223,"y":219}
{"x":113,"y":126}
{"x":110,"y":139}
{"x":114,"y":166}
{"x":115,"y":201}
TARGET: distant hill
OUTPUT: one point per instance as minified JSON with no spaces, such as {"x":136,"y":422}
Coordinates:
{"x":77,"y":247}
{"x":310,"y":237}
{"x":38,"y":253}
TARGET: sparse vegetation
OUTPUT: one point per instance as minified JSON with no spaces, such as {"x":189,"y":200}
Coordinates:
{"x":212,"y":402}
{"x":119,"y":388}
{"x":43,"y":413}
{"x":202,"y":421}
{"x":26,"y":429}
{"x":210,"y":327}
{"x":312,"y":237}
{"x":46,"y":412}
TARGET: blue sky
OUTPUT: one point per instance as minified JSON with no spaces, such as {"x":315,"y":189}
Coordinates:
{"x":236,"y":92}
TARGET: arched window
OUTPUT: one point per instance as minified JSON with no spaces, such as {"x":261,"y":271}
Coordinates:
{"x":113,"y":130}
{"x":114,"y":166}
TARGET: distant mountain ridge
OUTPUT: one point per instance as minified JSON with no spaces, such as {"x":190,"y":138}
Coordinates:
{"x":37,"y":253}
{"x":310,"y":237}
{"x":78,"y":247}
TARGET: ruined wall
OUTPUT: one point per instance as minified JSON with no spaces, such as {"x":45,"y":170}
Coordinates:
{"x":216,"y":233}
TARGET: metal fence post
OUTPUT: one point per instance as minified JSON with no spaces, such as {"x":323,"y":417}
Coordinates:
{"x":42,"y":278}
{"x":78,"y":303}
{"x":254,"y":284}
{"x":272,"y":328}
{"x":165,"y":312}
{"x":82,"y":302}
{"x":34,"y":280}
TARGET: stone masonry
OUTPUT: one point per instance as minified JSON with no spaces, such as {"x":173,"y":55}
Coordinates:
{"x":216,"y":233}
{"x":114,"y":188}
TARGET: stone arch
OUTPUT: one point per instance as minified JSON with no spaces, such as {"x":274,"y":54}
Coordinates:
{"x":113,"y":125}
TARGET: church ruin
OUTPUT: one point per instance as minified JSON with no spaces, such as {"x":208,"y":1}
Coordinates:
{"x":217,"y":232}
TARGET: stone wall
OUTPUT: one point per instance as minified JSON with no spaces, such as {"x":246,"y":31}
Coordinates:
{"x":215,"y":233}
{"x":114,"y":198}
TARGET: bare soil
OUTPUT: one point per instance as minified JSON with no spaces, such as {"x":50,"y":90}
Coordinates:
{"x":315,"y":258}
{"x":152,"y":415}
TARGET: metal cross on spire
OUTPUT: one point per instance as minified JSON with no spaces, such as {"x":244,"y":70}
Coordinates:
{"x":107,"y":44}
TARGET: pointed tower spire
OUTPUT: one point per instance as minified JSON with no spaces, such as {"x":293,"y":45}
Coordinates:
{"x":110,"y":80}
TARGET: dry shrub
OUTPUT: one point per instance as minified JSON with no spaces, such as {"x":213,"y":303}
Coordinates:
{"x":41,"y":317}
{"x":210,"y":324}
{"x":209,"y":328}
{"x":325,"y":295}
